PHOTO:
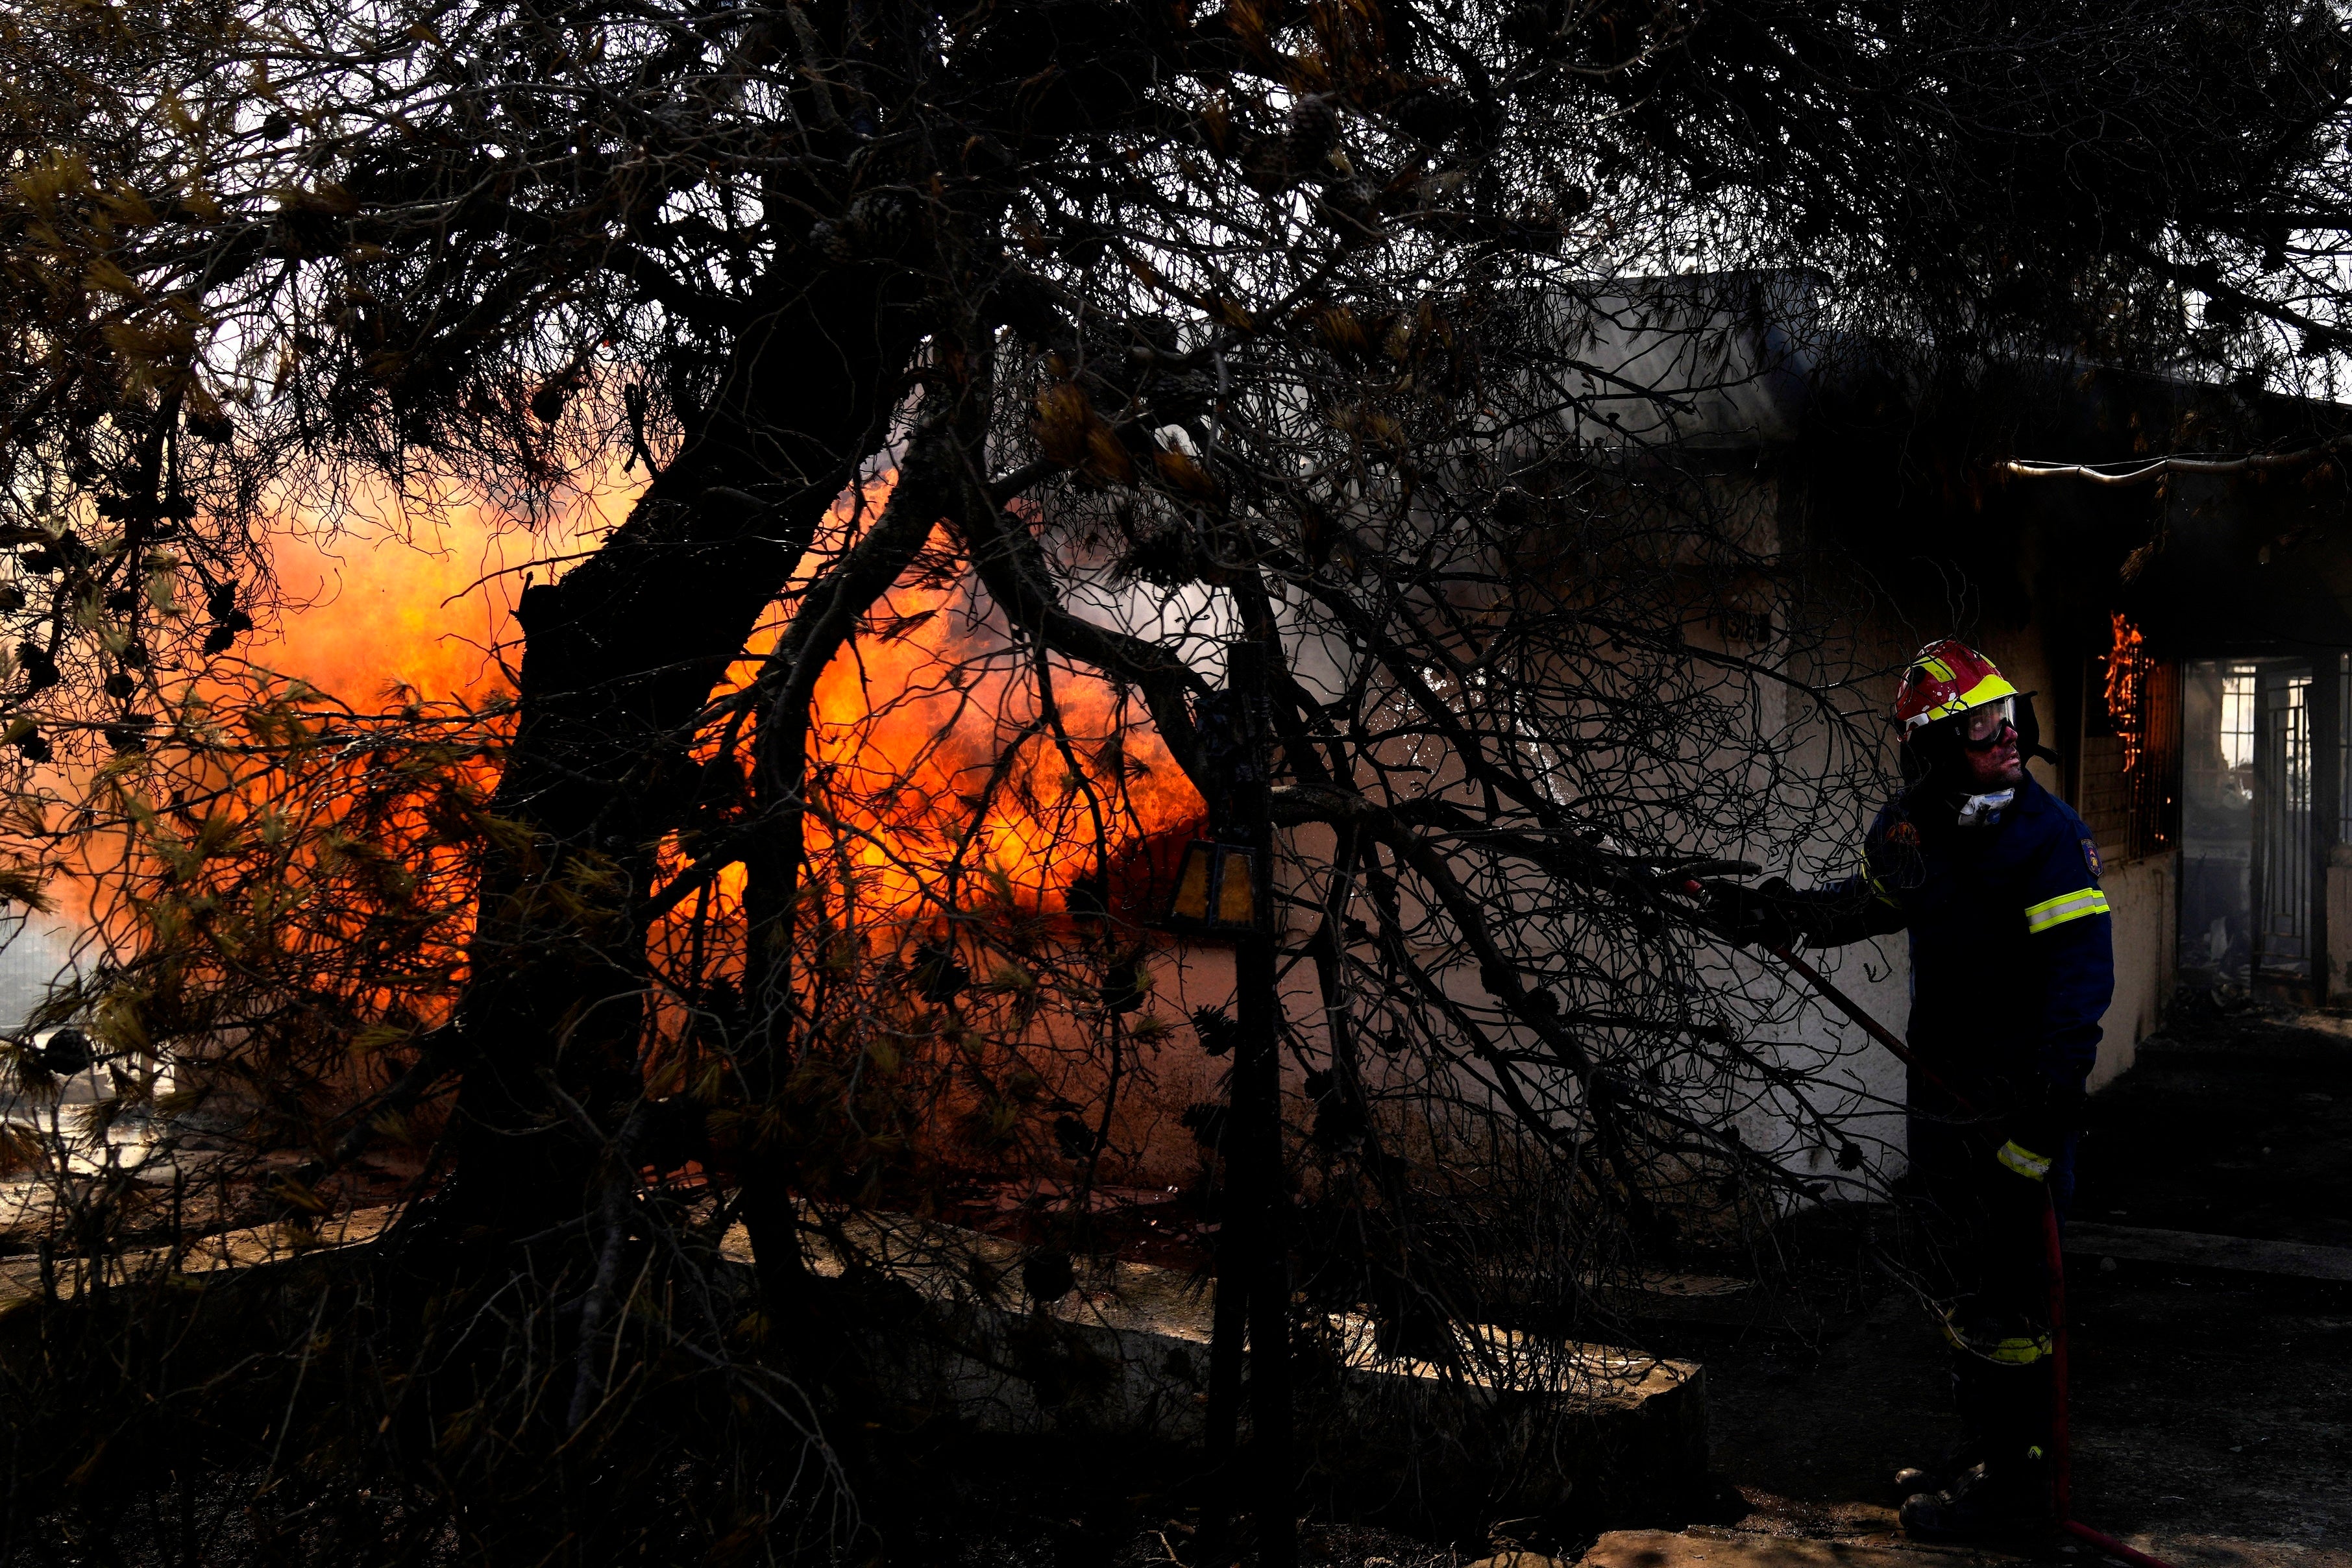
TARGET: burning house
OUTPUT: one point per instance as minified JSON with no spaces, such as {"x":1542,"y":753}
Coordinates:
{"x":2181,"y":618}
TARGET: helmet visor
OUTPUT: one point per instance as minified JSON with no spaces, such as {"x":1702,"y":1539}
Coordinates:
{"x":1981,"y":729}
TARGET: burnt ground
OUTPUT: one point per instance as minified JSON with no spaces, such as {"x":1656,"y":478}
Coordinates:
{"x":2213,"y":1411}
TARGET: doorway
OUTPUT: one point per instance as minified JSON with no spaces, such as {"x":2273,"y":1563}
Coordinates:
{"x":2251,"y":819}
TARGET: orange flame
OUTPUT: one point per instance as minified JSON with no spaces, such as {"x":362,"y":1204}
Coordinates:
{"x":2126,"y":686}
{"x":428,"y":605}
{"x":935,"y":772}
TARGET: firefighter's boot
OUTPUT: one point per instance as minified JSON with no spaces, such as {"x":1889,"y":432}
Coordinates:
{"x":1966,"y":1452}
{"x":1913,"y":1480}
{"x":1998,"y":1483}
{"x":1987,"y":1501}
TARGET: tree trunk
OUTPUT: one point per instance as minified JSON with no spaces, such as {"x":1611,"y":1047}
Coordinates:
{"x":620,"y":655}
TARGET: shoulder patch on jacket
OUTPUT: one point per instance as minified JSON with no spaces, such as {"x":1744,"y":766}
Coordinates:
{"x":1891,"y":856}
{"x":2090,"y":858}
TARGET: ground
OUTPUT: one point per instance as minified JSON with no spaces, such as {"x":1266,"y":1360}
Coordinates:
{"x":2212,"y":1410}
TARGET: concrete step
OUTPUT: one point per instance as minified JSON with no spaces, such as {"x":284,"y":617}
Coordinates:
{"x":1520,"y":1422}
{"x":20,"y":1277}
{"x":1712,"y":1547}
{"x":1730,"y":1549}
{"x":2189,"y":1249}
{"x":1662,"y":1295}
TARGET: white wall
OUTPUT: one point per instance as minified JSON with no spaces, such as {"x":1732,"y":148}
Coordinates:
{"x":2339,"y":923}
{"x":2144,"y":896}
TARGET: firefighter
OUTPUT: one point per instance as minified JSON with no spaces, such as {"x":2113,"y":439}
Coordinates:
{"x":2012,"y":964}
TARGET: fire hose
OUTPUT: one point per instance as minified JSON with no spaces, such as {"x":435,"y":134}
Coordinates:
{"x":2061,"y":1450}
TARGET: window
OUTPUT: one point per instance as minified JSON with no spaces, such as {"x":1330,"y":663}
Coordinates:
{"x":2238,"y":724}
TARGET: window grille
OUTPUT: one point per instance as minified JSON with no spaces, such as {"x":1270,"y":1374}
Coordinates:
{"x":2343,"y":747}
{"x":2282,"y":863}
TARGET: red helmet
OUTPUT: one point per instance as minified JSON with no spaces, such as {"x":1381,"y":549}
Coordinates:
{"x":1947,"y":679}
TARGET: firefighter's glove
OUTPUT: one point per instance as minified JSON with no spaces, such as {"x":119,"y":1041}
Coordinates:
{"x":1766,"y":915}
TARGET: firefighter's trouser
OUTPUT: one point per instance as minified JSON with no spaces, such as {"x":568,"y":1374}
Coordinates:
{"x":1988,"y":1256}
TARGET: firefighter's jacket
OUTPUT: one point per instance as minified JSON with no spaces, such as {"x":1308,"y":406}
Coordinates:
{"x":2012,"y":949}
